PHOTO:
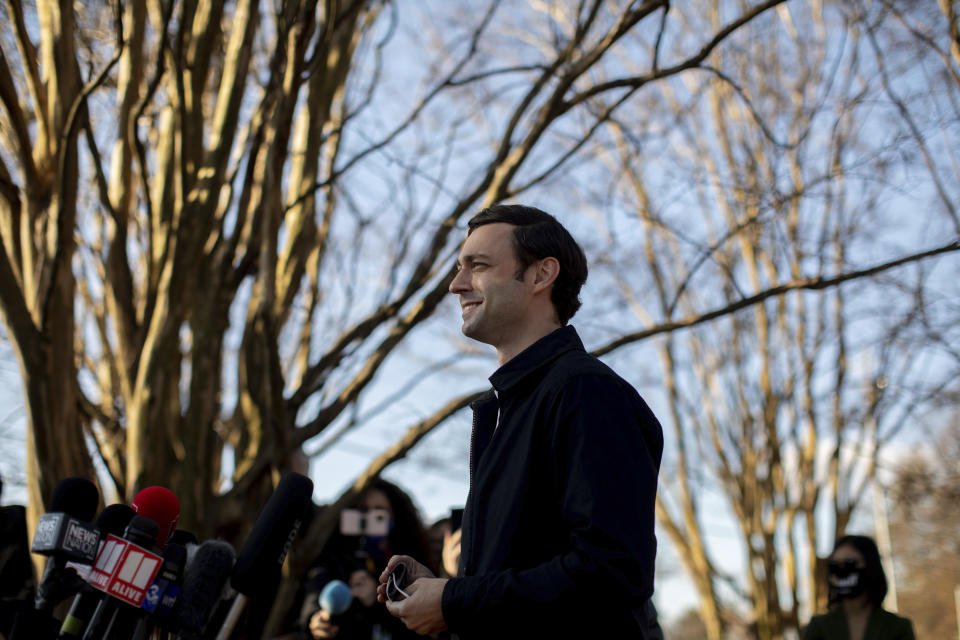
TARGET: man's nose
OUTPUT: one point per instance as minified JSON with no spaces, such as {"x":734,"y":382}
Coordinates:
{"x":460,"y":282}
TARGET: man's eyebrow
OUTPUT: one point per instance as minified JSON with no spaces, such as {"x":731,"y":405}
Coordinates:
{"x":470,"y":258}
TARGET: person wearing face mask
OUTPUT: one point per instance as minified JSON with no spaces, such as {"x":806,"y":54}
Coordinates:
{"x":857,"y":587}
{"x":355,"y":555}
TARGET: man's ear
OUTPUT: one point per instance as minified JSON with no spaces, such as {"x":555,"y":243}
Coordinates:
{"x":546,"y":273}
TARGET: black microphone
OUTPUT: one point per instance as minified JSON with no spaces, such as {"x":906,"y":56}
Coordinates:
{"x":203,"y":582}
{"x":124,"y":569}
{"x":261,"y":558}
{"x":111,"y":521}
{"x":63,"y":534}
{"x":184,"y":537}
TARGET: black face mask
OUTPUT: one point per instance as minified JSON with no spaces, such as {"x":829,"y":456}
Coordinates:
{"x":847,"y":579}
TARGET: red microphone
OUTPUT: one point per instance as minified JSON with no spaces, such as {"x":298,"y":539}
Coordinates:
{"x":160,"y":505}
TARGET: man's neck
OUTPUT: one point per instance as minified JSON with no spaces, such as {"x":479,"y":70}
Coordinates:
{"x":507,"y":352}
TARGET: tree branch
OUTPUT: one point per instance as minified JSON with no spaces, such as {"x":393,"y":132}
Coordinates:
{"x":812,"y":284}
{"x":21,"y":131}
{"x":28,"y":54}
{"x":689,"y":63}
{"x":66,"y":142}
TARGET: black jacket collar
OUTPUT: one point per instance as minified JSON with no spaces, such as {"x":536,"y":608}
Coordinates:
{"x":540,"y":353}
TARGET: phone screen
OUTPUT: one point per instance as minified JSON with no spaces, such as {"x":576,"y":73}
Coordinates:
{"x":456,"y":519}
{"x":360,"y":522}
{"x":351,"y":522}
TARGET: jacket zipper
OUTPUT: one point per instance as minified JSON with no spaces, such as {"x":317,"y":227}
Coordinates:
{"x":473,"y":438}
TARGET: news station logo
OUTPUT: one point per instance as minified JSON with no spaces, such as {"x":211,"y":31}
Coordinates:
{"x":124,"y":570}
{"x":47,"y":531}
{"x":161,"y":596}
{"x":81,"y":540}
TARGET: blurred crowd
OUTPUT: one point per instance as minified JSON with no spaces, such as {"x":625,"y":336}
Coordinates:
{"x":383,"y":522}
{"x":338,"y":595}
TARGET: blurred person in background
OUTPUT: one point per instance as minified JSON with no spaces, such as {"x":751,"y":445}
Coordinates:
{"x":356,"y":554}
{"x":17,"y":580}
{"x":444,"y":536}
{"x":857,"y":587}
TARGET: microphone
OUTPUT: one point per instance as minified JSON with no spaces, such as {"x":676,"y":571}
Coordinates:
{"x":184,"y":537}
{"x":162,"y":594}
{"x":335,"y":598}
{"x":203,"y":582}
{"x":111,"y":521}
{"x":63,"y":534}
{"x":162,"y":506}
{"x":123,"y":569}
{"x":261,"y":558}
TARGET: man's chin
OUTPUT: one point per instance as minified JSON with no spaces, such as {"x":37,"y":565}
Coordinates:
{"x":471,"y":330}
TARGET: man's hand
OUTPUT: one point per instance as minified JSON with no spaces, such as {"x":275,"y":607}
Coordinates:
{"x":415,"y":571}
{"x":320,"y":626}
{"x":422,"y":612}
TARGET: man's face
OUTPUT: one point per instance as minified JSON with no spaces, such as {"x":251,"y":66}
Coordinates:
{"x":494,"y":303}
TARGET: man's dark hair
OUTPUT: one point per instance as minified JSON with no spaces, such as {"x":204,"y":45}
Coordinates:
{"x":874,"y":579}
{"x":538,"y":235}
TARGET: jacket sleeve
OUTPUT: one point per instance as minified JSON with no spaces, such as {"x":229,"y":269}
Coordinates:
{"x":605,"y":447}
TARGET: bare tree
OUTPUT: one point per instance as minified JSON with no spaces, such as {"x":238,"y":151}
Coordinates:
{"x":185,"y":182}
{"x":219,"y":221}
{"x":775,"y":175}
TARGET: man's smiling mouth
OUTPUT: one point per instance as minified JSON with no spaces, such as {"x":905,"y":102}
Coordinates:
{"x":469,"y":306}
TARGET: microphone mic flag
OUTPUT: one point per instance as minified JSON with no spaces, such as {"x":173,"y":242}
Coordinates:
{"x":261,"y":558}
{"x":162,"y":594}
{"x":65,"y":531}
{"x":124,"y":568}
{"x":64,"y":534}
{"x":111,"y":521}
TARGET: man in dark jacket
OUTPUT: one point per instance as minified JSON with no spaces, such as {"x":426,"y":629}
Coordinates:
{"x":558,"y":537}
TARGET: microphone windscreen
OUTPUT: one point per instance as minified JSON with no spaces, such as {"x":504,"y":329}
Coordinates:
{"x":114,"y":519}
{"x":162,"y":506}
{"x":203,"y":581}
{"x":335,"y":598}
{"x":261,"y":558}
{"x":76,"y":497}
{"x":174,"y":561}
{"x":184,"y":537}
{"x":141,"y":531}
